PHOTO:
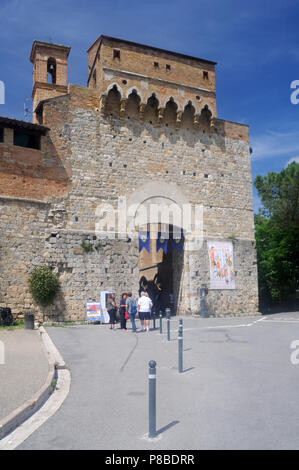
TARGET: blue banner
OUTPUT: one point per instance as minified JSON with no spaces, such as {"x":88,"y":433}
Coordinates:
{"x":177,"y":243}
{"x":144,"y":241}
{"x":162,"y":242}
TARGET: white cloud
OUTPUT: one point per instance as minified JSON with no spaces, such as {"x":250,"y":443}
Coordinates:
{"x":275,"y":144}
{"x":293,"y":159}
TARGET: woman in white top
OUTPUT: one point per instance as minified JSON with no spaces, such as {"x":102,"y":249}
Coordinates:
{"x":144,"y":310}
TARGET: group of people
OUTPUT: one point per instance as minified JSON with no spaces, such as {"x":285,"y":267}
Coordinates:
{"x":128,"y":309}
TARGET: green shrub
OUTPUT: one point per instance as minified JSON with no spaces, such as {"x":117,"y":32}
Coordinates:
{"x":87,"y":246}
{"x":43,"y":285}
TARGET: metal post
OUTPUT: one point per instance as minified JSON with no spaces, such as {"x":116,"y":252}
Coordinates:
{"x":154,"y":320}
{"x":168,"y":323}
{"x":160,"y":315}
{"x":180,"y":344}
{"x":152,"y":398}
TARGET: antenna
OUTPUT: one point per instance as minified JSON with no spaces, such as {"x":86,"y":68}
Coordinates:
{"x":27,"y":109}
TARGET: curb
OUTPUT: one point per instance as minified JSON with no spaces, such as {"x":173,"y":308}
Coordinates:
{"x":23,"y":412}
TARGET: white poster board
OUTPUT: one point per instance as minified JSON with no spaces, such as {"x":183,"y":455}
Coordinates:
{"x":221,"y":260}
{"x":104,"y":312}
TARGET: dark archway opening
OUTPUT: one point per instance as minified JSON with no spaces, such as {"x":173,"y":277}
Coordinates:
{"x":160,"y":274}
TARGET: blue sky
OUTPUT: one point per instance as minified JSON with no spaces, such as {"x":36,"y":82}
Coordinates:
{"x":256,"y":46}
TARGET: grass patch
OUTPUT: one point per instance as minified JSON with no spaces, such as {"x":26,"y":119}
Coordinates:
{"x":16,"y":326}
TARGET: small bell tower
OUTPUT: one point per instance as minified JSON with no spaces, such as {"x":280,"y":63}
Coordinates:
{"x":49,"y":72}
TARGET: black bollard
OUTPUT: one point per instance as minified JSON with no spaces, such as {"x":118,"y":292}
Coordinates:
{"x":168,"y":323}
{"x":152,"y":399}
{"x":160,"y":315}
{"x":180,"y":344}
{"x":154,"y":320}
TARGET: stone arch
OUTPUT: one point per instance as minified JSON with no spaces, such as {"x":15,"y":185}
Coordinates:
{"x":189,"y":101}
{"x":205,"y":117}
{"x":158,"y":192}
{"x":151,"y":93}
{"x":151,"y":109}
{"x":134,"y":88}
{"x":188,"y":115}
{"x":113,"y":100}
{"x":170,"y":113}
{"x":113,"y":86}
{"x":133,"y":103}
{"x":206,"y":112}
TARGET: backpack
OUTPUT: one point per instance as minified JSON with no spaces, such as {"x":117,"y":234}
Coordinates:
{"x":133,"y":306}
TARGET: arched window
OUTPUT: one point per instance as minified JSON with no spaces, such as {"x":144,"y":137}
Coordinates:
{"x":51,"y":70}
{"x":188,"y":116}
{"x":132,"y":109}
{"x":113,"y":101}
{"x":170,"y":112}
{"x":151,"y":110}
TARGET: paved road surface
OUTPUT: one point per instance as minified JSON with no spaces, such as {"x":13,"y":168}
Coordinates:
{"x":25,"y":369}
{"x":239,"y":389}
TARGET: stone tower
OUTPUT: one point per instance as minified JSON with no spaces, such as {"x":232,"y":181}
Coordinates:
{"x":49,"y":73}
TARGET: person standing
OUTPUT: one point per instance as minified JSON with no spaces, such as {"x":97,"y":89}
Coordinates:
{"x":144,"y":308}
{"x":111,"y":309}
{"x":132,"y":310}
{"x":122,"y":312}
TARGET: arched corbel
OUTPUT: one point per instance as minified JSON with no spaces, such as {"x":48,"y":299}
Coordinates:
{"x":178,"y":119}
{"x":123,"y":103}
{"x":161,"y":114}
{"x":196,"y":119}
{"x":141,"y":111}
{"x":103,"y":101}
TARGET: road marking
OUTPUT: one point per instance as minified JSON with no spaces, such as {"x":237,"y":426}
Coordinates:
{"x":282,"y":321}
{"x":216,"y":327}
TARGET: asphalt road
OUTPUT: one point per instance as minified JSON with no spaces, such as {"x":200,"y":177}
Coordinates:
{"x":239,"y":389}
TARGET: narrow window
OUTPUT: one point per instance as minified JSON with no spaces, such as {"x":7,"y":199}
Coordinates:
{"x":205,"y":75}
{"x":1,"y":134}
{"x":168,"y":67}
{"x":94,"y":76}
{"x":51,"y":70}
{"x":116,"y":54}
{"x":24,"y":139}
{"x":156,"y":65}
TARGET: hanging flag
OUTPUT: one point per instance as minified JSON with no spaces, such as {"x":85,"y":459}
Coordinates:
{"x":144,"y":241}
{"x":176,"y":242}
{"x":162,"y":242}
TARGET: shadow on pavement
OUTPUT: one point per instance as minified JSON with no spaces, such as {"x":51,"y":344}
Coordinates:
{"x":168,"y":426}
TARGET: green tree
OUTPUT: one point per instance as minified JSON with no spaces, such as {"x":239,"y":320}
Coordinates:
{"x":277,"y":234}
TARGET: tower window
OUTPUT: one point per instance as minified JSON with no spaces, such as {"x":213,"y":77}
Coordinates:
{"x":94,"y":76}
{"x":1,"y":134}
{"x":168,"y":67}
{"x":205,"y":75}
{"x":156,"y":65}
{"x":116,"y":54}
{"x":51,"y":69}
